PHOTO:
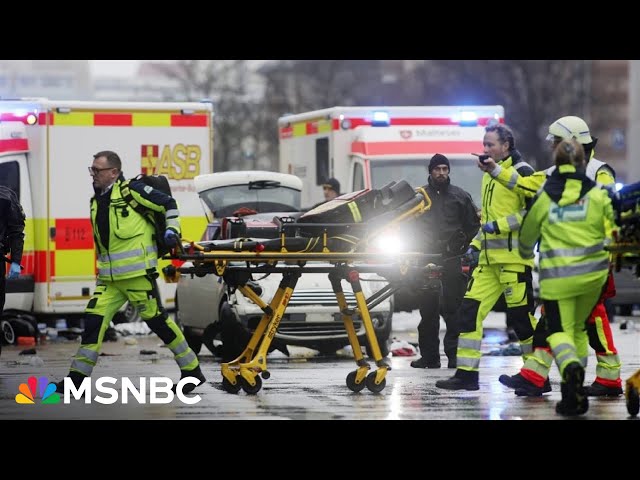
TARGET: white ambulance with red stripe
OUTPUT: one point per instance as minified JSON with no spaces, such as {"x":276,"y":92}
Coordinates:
{"x":45,"y":149}
{"x":367,"y":147}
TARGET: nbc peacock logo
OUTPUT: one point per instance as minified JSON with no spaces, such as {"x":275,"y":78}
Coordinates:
{"x":37,"y":387}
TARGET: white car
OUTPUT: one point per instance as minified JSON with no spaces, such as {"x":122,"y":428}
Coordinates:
{"x":312,"y":318}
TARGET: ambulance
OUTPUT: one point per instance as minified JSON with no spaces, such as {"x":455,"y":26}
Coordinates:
{"x":367,"y":147}
{"x":46,"y":148}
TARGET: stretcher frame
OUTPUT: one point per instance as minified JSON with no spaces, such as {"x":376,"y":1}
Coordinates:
{"x":625,"y":252}
{"x":236,"y":260}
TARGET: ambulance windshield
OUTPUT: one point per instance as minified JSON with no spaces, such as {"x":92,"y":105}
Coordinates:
{"x":464,"y":174}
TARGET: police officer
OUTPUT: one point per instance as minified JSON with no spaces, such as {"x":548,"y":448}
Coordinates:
{"x":11,"y":239}
{"x":571,"y":218}
{"x":127,"y":261}
{"x":532,"y":380}
{"x":446,"y":229}
{"x":500,"y":269}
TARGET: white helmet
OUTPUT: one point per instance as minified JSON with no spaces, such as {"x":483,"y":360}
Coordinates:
{"x":570,"y":127}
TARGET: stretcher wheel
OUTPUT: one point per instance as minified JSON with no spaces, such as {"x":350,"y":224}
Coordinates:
{"x":371,"y":383}
{"x":230,"y":387}
{"x":633,"y":401}
{"x":266,"y":374}
{"x":251,"y":389}
{"x":351,"y":382}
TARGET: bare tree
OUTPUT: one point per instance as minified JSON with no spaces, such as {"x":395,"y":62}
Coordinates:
{"x":533,"y":92}
{"x":224,"y":82}
{"x":295,"y":86}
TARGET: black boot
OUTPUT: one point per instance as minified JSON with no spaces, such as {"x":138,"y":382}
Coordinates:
{"x":518,"y":382}
{"x":75,"y":377}
{"x":422,"y":362}
{"x":462,"y":380}
{"x":189,"y":387}
{"x":574,"y":397}
{"x":599,"y":390}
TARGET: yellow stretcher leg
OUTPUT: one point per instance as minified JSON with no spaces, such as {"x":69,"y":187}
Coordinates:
{"x":375,"y":380}
{"x":243,"y":371}
{"x":356,"y":380}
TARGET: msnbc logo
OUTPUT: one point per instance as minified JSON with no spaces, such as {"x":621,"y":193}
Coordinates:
{"x":33,"y":387}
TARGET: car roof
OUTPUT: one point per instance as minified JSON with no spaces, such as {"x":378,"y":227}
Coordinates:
{"x":222,"y":179}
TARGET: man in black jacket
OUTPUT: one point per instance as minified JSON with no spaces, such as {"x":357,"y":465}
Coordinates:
{"x":446,"y":229}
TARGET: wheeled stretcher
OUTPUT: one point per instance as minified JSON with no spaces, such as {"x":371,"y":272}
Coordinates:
{"x":342,"y":250}
{"x":625,"y":251}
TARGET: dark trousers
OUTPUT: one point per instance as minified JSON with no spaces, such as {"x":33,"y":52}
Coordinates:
{"x":3,"y":284}
{"x":445,"y":302}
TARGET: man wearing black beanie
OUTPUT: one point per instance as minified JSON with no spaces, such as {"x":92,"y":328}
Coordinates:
{"x":446,"y":229}
{"x":439,"y":159}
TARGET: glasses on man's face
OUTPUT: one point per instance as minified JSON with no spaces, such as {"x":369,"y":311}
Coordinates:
{"x":96,"y":171}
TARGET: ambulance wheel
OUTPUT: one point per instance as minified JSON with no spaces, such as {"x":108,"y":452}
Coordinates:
{"x":7,"y":334}
{"x":251,"y":389}
{"x":351,"y":382}
{"x":228,"y":387}
{"x":371,"y":383}
{"x":633,"y":401}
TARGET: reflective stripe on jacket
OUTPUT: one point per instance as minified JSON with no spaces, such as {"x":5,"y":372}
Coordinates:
{"x":132,"y":251}
{"x":570,"y":217}
{"x":500,"y":202}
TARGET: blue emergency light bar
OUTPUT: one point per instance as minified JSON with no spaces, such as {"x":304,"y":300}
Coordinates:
{"x":380,"y":119}
{"x":468,"y":118}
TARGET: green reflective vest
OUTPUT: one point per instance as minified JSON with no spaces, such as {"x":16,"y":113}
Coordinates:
{"x":132,"y":250}
{"x":498,"y":203}
{"x":572,"y":231}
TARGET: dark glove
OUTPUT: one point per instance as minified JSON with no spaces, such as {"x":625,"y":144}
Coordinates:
{"x":471,"y":257}
{"x":171,"y":238}
{"x":490,"y":227}
{"x":14,"y":270}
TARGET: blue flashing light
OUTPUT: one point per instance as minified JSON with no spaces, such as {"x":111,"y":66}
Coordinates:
{"x":468,"y":119}
{"x":380,"y":119}
{"x":619,"y":186}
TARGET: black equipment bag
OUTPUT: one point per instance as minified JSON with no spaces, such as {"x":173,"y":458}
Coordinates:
{"x":157,"y":219}
{"x":359,"y":207}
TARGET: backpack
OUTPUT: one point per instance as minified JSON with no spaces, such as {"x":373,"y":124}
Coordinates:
{"x":157,"y":219}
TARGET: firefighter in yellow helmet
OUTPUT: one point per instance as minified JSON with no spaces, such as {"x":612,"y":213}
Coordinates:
{"x":532,"y":380}
{"x":571,"y":218}
{"x":501,"y":270}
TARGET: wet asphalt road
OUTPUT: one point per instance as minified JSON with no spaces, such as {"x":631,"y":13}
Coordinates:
{"x":305,"y":387}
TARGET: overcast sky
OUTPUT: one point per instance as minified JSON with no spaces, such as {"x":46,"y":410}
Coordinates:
{"x":120,"y":68}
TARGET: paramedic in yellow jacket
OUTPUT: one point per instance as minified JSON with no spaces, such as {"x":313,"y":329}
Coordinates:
{"x":532,"y":380}
{"x":127,"y":261}
{"x":571,"y":217}
{"x":501,"y":269}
